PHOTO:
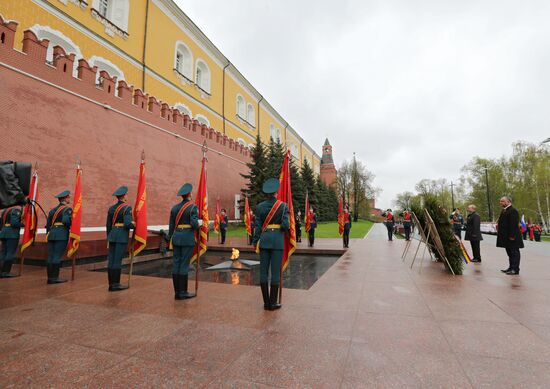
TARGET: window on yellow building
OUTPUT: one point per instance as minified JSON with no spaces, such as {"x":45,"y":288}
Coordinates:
{"x":202,"y":120}
{"x":250,"y":116}
{"x":202,"y":76}
{"x":115,"y":11}
{"x":57,"y":38}
{"x":183,"y":109}
{"x":274,"y":133}
{"x":183,"y":63}
{"x":240,"y":107}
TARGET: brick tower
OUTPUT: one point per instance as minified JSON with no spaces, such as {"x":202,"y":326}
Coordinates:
{"x":328,"y":170}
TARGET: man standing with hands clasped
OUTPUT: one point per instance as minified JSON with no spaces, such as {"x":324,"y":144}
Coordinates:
{"x":509,"y":234}
{"x":473,"y":232}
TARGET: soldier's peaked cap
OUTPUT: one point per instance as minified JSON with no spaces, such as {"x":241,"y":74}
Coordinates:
{"x":185,"y":189}
{"x":271,"y":186}
{"x":65,"y":193}
{"x":121,"y":191}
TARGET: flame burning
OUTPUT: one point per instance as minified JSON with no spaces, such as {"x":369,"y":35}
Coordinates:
{"x":234,"y":254}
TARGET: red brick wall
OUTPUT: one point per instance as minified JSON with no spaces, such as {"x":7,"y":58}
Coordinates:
{"x":42,"y":123}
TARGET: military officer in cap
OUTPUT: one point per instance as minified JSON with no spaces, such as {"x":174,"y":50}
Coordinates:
{"x":10,"y":226}
{"x":57,"y":229}
{"x":224,"y":221}
{"x":271,"y":222}
{"x":389,"y":222}
{"x":312,"y":226}
{"x":184,"y":220}
{"x":119,"y":223}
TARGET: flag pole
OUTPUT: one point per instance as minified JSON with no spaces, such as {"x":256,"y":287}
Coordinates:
{"x":74,"y":255}
{"x":133,"y":240}
{"x":197,"y":243}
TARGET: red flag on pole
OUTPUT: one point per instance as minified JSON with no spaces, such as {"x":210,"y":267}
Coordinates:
{"x":201,"y":235}
{"x":340,"y":217}
{"x":74,"y":235}
{"x":140,"y":211}
{"x":30,"y":215}
{"x":285,"y":195}
{"x":307,"y":214}
{"x":247,"y":216}
{"x":218,"y":217}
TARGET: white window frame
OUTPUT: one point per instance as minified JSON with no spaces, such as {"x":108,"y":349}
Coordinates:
{"x":241,"y":106}
{"x":186,"y":67}
{"x":250,"y":114}
{"x":109,"y":67}
{"x":203,"y":119}
{"x":184,"y":109}
{"x":205,"y":81}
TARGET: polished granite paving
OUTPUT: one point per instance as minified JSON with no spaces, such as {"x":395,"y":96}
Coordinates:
{"x":368,"y":322}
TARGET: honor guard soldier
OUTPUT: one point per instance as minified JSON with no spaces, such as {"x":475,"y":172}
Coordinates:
{"x":10,"y":225}
{"x":407,"y":224}
{"x":298,"y":225}
{"x":224,"y":221}
{"x":347,"y":227}
{"x":312,"y":226}
{"x":57,"y":235}
{"x":119,"y":223}
{"x":184,"y":220}
{"x":271,"y":222}
{"x":389,"y":222}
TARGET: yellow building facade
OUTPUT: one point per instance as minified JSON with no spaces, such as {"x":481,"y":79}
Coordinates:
{"x":153,"y":45}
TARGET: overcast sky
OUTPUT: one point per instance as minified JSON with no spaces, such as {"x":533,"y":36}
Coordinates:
{"x":415,"y":88}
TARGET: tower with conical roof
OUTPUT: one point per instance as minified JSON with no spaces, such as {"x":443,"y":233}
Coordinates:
{"x":328,"y":169}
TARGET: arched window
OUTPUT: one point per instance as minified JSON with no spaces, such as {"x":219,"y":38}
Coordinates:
{"x":240,"y":106}
{"x":203,"y":120}
{"x":202,"y":76}
{"x":294,"y":150}
{"x":116,"y":11}
{"x":108,"y":66}
{"x":250,"y":116}
{"x":183,"y":61}
{"x":183,"y":109}
{"x":57,"y":38}
{"x":275,"y":133}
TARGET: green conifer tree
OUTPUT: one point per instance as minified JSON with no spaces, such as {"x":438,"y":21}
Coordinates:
{"x":256,"y":175}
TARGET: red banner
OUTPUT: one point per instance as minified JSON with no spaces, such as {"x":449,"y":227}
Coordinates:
{"x":218,"y":217}
{"x":247,"y":216}
{"x":74,"y":235}
{"x":341,"y":220}
{"x":201,"y":235}
{"x":307,"y":214}
{"x":30,"y":214}
{"x":140,"y":212}
{"x":285,"y":195}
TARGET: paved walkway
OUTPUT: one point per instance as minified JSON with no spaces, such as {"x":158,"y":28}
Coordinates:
{"x":370,"y":321}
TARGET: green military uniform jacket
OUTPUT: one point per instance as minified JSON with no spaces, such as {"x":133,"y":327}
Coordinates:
{"x":271,"y":238}
{"x":10,"y":223}
{"x":58,"y":229}
{"x":190,"y":219}
{"x":119,"y":233}
{"x":224,"y":221}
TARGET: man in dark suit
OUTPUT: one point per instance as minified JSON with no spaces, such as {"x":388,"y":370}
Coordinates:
{"x":473,"y":232}
{"x":509,"y":235}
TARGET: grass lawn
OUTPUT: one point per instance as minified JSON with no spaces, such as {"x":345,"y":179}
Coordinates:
{"x":545,"y":238}
{"x":324,"y":230}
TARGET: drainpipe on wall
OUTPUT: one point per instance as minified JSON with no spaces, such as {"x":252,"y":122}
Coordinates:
{"x":223,"y":95}
{"x":144,"y":46}
{"x":286,"y":137}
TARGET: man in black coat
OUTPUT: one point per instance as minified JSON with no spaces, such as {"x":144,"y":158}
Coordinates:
{"x":473,"y":232}
{"x":509,"y":235}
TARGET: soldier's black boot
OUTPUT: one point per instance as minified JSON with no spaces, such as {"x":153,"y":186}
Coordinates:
{"x":6,"y":269}
{"x":176,"y":283}
{"x":274,"y":294}
{"x":55,"y":274}
{"x":111,"y":282}
{"x":49,"y":271}
{"x":184,"y":283}
{"x":116,"y":281}
{"x":265,"y":295}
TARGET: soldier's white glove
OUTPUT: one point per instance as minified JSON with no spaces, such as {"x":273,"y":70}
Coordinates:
{"x":200,"y":223}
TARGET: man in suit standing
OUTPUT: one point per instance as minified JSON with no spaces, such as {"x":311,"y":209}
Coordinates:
{"x":509,"y":235}
{"x":473,"y":232}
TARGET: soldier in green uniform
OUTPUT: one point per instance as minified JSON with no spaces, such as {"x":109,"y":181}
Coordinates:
{"x":10,"y":226}
{"x":184,"y":220}
{"x":312,"y":226}
{"x":119,"y":223}
{"x":57,"y":228}
{"x":271,"y":222}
